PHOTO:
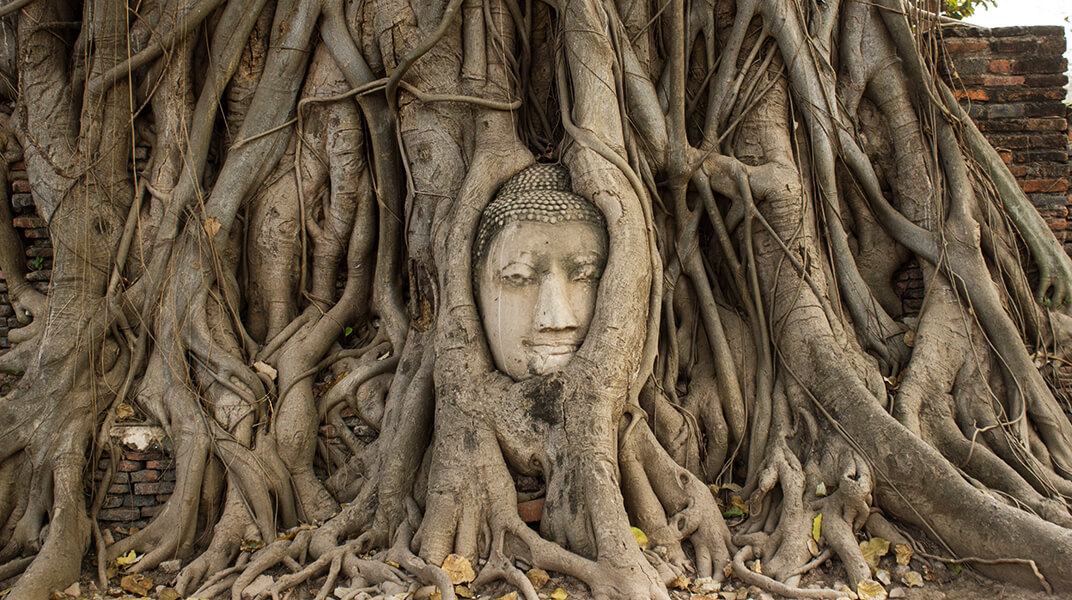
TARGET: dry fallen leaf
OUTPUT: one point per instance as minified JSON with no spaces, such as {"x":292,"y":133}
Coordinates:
{"x":169,"y":594}
{"x":510,"y":596}
{"x":904,"y":553}
{"x":883,"y":576}
{"x":458,"y":569}
{"x":74,"y":590}
{"x":123,"y":411}
{"x":909,"y":340}
{"x":705,"y":585}
{"x":538,"y":577}
{"x":212,"y":225}
{"x":817,"y":527}
{"x":559,"y":594}
{"x":757,"y":567}
{"x":136,"y":584}
{"x":127,"y":559}
{"x":641,"y":538}
{"x":874,"y":549}
{"x":869,"y":589}
{"x":681,"y":582}
{"x":462,"y":591}
{"x":912,"y":579}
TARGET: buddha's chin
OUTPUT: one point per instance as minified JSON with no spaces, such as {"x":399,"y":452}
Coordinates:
{"x":543,"y":363}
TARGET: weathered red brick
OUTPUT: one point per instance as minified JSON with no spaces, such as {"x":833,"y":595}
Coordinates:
{"x":1046,"y":124}
{"x":118,"y":489}
{"x":122,"y":515}
{"x":953,"y":46}
{"x":1044,"y":185}
{"x":974,"y":94}
{"x":129,"y":466}
{"x":1000,"y":65}
{"x":145,"y":475}
{"x":1002,"y":80}
{"x":20,"y":185}
{"x":153,"y":488}
{"x":28,"y":222}
{"x":1039,"y":63}
{"x":135,"y":455}
{"x":158,"y":465}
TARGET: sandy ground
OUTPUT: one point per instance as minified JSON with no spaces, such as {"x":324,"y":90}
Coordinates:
{"x":945,"y":586}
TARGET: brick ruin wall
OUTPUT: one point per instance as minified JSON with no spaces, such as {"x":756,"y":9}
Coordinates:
{"x":1011,"y":79}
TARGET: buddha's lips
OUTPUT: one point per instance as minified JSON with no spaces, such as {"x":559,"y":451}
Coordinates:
{"x":552,"y":348}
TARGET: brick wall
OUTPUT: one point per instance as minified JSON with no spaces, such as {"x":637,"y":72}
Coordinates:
{"x":1012,"y":80}
{"x":35,"y":240}
{"x":143,"y":479}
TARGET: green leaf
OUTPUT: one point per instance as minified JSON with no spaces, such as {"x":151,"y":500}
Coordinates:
{"x":346,"y":331}
{"x":733,"y":511}
{"x":955,"y":568}
{"x":817,"y":527}
{"x":37,"y":263}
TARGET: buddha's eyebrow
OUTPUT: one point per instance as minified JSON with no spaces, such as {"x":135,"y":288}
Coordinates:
{"x":585,"y":258}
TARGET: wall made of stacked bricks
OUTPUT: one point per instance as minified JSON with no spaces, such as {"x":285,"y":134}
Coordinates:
{"x":1012,"y":82}
{"x":34,"y":232}
{"x":1010,"y":79}
{"x":141,"y":483}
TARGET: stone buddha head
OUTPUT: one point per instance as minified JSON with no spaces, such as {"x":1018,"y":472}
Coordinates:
{"x":538,"y":256}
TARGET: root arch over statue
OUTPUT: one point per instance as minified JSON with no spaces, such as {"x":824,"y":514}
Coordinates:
{"x":760,"y":169}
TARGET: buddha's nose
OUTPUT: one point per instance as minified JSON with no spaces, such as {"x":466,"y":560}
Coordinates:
{"x":553,"y":308}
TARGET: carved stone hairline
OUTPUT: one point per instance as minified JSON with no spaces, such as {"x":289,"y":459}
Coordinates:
{"x":542,"y":194}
